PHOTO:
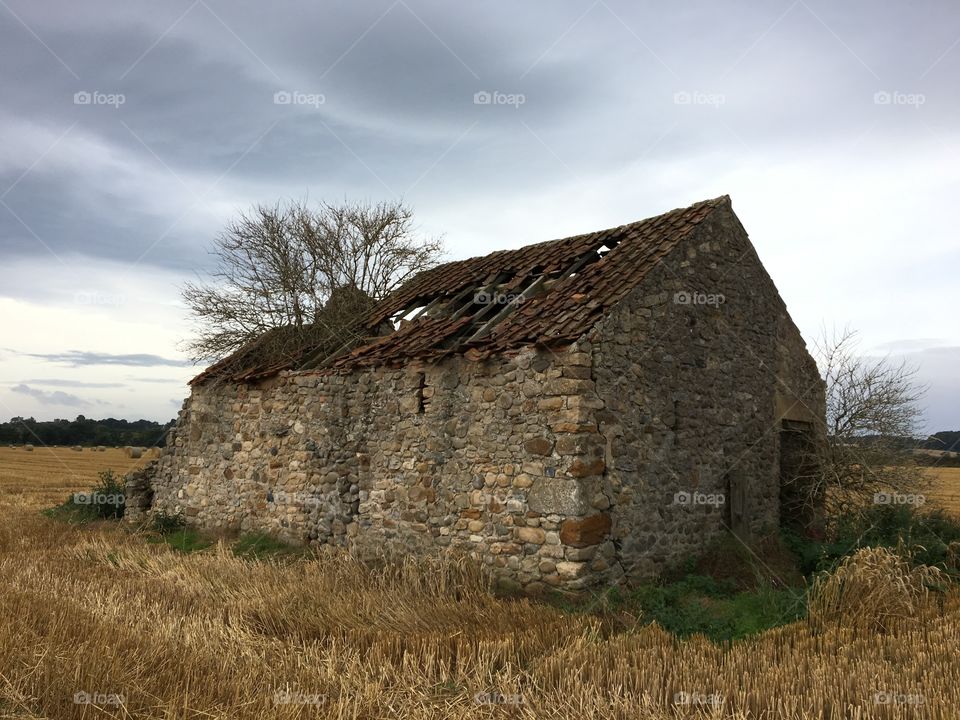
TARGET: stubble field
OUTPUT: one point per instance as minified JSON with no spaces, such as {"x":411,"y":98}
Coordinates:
{"x":95,"y":621}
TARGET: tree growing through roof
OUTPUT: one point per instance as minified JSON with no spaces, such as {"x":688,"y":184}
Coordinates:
{"x":302,"y":271}
{"x":872,"y":412}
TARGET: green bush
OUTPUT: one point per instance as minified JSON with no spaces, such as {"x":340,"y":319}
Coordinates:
{"x":105,"y":501}
{"x":164,"y":524}
{"x":924,"y":536}
{"x":184,"y":540}
{"x":257,"y":546}
{"x":700,"y":604}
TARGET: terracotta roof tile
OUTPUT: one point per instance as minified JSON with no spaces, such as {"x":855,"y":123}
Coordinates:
{"x":570,"y":307}
{"x":571,"y":282}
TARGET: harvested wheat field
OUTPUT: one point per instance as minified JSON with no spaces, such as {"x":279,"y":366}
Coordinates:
{"x":46,"y":476}
{"x":944,"y":490}
{"x":99,"y":614}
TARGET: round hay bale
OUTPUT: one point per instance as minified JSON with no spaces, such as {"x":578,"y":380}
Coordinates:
{"x":101,"y":448}
{"x":136,"y":452}
{"x":28,"y":448}
{"x":77,"y":448}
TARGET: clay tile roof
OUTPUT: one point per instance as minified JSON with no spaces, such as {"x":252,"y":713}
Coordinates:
{"x":560,"y":288}
{"x":549,"y":293}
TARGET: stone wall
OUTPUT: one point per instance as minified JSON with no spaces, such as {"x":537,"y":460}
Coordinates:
{"x":695,"y":370}
{"x":484,"y":457}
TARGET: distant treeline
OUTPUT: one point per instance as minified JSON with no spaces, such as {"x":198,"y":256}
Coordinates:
{"x":946,"y":440}
{"x":84,"y":431}
{"x":946,"y":443}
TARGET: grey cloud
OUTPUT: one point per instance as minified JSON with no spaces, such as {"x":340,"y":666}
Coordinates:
{"x":150,"y":182}
{"x":600,"y":93}
{"x":156,"y":380}
{"x":76,"y":358}
{"x":56,"y":397}
{"x":58,"y":382}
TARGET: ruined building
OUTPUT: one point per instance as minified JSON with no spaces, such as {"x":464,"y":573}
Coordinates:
{"x":568,"y":413}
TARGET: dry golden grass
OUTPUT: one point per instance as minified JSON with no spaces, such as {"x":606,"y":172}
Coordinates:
{"x":46,"y":476}
{"x":944,"y":490}
{"x":97,"y":609}
{"x":874,"y":589}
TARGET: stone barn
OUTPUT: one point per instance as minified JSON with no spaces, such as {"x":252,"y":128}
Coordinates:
{"x":569,"y":413}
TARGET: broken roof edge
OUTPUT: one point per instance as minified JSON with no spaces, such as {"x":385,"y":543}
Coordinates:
{"x":380,"y":312}
{"x":642,"y":244}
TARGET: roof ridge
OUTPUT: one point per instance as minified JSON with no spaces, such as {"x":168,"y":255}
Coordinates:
{"x":712,"y":202}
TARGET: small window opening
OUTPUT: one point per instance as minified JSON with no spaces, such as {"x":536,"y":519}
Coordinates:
{"x":421,"y":400}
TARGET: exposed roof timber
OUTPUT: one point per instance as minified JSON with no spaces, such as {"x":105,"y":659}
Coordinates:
{"x":576,"y":282}
{"x":508,"y":308}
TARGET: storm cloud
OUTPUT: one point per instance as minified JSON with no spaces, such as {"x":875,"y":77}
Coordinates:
{"x":133,"y":132}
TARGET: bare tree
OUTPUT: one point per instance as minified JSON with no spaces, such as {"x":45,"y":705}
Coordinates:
{"x":872,"y":414}
{"x":303,"y":269}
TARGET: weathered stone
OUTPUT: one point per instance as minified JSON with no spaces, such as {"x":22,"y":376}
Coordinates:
{"x":581,"y":468}
{"x":556,"y":495}
{"x":571,"y":570}
{"x":589,"y":531}
{"x":531,"y":535}
{"x":538,"y":446}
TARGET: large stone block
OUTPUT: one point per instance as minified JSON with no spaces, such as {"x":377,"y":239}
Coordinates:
{"x":560,"y":496}
{"x":589,"y":531}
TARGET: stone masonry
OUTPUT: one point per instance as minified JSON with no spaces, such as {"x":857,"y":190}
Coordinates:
{"x":613,"y":456}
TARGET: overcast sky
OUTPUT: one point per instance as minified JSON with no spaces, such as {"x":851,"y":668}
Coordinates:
{"x":132,"y":131}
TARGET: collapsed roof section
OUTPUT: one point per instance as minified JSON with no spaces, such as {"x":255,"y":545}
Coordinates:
{"x":544,"y":294}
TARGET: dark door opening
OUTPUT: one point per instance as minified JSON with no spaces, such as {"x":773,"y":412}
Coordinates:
{"x":800,"y":499}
